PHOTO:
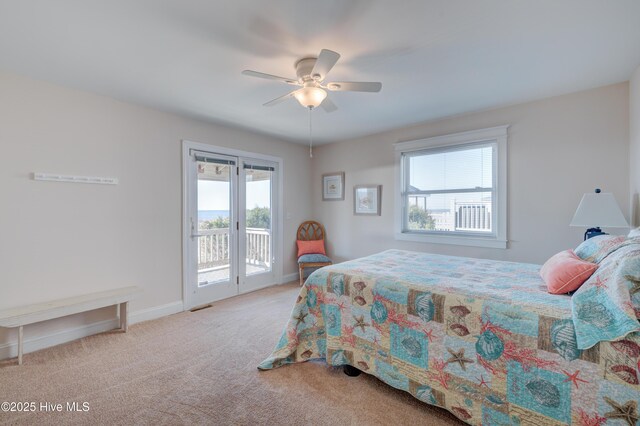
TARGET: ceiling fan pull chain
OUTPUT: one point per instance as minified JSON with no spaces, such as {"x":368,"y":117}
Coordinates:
{"x":310,"y":135}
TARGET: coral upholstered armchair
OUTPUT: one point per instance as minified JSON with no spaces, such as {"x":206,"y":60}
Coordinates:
{"x":311,"y":251}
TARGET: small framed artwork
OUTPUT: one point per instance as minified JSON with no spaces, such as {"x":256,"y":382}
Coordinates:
{"x":333,"y":186}
{"x":367,"y":199}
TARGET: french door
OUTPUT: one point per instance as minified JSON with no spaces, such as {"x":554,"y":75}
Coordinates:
{"x":231,"y":224}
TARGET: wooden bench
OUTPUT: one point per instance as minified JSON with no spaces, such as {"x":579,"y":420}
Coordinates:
{"x":25,"y":315}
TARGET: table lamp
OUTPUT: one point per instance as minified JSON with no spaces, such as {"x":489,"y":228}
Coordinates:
{"x":598,"y":209}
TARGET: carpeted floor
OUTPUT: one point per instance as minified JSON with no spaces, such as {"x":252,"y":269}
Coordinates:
{"x":200,"y":368}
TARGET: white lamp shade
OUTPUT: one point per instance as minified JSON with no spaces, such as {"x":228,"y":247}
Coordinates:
{"x":599,"y":210}
{"x":310,"y":97}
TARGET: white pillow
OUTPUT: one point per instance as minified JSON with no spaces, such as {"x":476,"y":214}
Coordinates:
{"x":634,"y":233}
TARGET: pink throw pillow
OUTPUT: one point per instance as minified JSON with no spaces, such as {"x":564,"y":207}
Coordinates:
{"x":565,"y":272}
{"x":311,"y":247}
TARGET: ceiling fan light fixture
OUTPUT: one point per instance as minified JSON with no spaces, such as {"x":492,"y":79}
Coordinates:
{"x":310,"y":97}
{"x":311,"y":72}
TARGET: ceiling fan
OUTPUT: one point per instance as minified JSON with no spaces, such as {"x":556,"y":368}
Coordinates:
{"x":311,"y":74}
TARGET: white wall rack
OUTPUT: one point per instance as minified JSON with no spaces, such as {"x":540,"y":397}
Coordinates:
{"x":75,"y":179}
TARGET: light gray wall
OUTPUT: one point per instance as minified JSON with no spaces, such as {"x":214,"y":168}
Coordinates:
{"x":60,"y":239}
{"x":558,"y":149}
{"x":634,"y":146}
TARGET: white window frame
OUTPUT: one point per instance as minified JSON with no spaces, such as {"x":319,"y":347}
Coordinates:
{"x":496,"y":136}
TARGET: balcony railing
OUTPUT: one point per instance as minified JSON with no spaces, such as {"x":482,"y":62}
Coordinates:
{"x":473,"y":216}
{"x":214,"y":248}
{"x":460,"y":216}
{"x":259,"y":246}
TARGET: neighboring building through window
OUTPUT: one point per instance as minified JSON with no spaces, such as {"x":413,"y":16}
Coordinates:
{"x":452,"y":189}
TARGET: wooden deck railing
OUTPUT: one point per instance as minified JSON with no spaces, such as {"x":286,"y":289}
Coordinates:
{"x":214,"y":247}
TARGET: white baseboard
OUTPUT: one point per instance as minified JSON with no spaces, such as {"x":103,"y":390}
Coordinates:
{"x":290,"y":277}
{"x":262,"y":287}
{"x":10,"y":350}
{"x":156,"y":312}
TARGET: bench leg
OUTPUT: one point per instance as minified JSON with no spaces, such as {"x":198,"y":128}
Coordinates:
{"x":20,"y":344}
{"x":124,"y":320}
{"x":301,"y":275}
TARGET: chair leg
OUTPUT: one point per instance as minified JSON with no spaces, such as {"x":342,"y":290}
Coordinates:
{"x":301,"y":275}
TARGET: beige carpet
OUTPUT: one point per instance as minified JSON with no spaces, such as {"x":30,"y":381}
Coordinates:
{"x":200,"y":368}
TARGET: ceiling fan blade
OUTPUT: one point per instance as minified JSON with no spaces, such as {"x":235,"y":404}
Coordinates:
{"x":326,"y":60}
{"x":354,"y":86}
{"x":271,"y":77}
{"x":328,"y":105}
{"x":279,"y":99}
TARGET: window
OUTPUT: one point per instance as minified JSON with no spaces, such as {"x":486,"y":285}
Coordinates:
{"x":452,"y":189}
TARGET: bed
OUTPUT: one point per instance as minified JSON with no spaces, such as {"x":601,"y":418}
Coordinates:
{"x":480,"y":338}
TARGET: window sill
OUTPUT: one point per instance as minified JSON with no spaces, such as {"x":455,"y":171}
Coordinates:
{"x":453,"y":240}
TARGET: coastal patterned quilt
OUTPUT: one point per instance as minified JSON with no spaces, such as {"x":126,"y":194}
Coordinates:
{"x":607,"y":306}
{"x":481,"y":338}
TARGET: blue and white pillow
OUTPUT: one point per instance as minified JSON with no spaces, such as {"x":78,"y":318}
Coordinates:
{"x":597,"y":248}
{"x":634,"y":233}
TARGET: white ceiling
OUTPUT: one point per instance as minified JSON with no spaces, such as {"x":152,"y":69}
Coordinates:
{"x":435,"y":58}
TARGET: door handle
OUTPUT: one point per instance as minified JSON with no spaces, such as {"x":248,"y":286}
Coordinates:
{"x":193,"y":230}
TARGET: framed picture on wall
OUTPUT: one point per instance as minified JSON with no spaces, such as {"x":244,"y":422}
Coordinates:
{"x":333,"y":186}
{"x":367,"y":200}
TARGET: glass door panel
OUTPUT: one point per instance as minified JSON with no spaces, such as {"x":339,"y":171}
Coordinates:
{"x":213,"y":215}
{"x":258,"y":220}
{"x":258,"y":207}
